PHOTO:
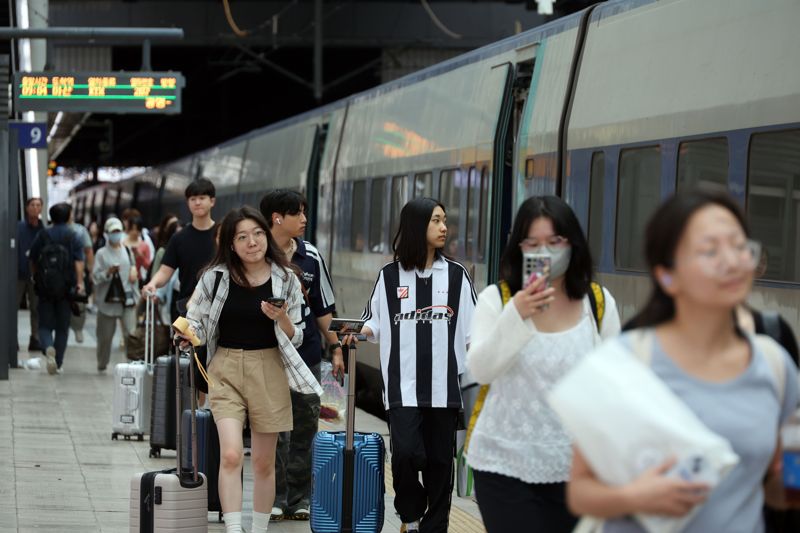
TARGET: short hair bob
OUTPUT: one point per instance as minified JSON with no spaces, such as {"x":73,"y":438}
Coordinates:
{"x":663,"y":234}
{"x":225,"y":254}
{"x":60,"y":213}
{"x":283,"y":201}
{"x":578,"y":277}
{"x":410,"y":244}
{"x":200,"y":187}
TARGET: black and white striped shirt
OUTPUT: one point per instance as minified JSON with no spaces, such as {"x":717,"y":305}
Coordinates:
{"x":422,"y":322}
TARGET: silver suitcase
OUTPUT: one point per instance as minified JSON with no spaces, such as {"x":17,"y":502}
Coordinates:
{"x":174,"y":500}
{"x":133,"y":384}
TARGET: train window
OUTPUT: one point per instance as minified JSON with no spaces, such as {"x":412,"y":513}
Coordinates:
{"x":357,"y":216}
{"x":378,"y":193}
{"x":422,"y":185}
{"x":473,"y":212}
{"x":597,"y":177}
{"x":529,"y":168}
{"x":452,"y":186}
{"x":399,"y":198}
{"x":773,"y":201}
{"x":483,"y":218}
{"x":703,"y":163}
{"x":638,"y":196}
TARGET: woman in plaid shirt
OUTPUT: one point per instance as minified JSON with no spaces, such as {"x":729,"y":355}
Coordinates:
{"x":246,"y":307}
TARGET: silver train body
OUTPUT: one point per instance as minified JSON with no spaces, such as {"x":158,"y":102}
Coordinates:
{"x":612,"y":108}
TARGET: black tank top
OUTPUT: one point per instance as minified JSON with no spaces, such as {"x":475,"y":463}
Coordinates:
{"x":242,"y":324}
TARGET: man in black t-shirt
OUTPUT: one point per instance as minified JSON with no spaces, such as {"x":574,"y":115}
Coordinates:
{"x":193,"y":247}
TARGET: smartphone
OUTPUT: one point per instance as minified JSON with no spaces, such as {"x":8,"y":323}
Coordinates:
{"x":347,"y":326}
{"x":277,"y":302}
{"x":534,"y":266}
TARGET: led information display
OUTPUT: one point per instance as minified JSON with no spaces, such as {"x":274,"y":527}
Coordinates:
{"x":99,"y":92}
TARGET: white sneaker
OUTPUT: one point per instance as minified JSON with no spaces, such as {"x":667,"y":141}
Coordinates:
{"x":276,"y":515}
{"x":79,"y":335}
{"x":60,"y":371}
{"x":50,"y":354}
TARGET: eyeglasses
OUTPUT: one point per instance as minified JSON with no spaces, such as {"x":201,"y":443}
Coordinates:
{"x":551,"y":244}
{"x":716,"y":260}
{"x":258,"y":235}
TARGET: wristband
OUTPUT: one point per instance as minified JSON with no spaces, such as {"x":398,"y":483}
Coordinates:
{"x":333,"y":347}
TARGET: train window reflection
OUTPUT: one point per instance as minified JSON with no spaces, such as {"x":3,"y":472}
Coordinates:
{"x":703,"y":163}
{"x":597,"y":177}
{"x":529,"y":165}
{"x":422,"y":185}
{"x":482,"y":213}
{"x":773,"y":201}
{"x":452,"y":187}
{"x":473,"y":212}
{"x":377,"y":194}
{"x":400,"y":195}
{"x":638,"y":196}
{"x":357,"y":229}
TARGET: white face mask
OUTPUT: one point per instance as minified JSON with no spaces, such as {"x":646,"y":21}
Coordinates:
{"x":559,"y":259}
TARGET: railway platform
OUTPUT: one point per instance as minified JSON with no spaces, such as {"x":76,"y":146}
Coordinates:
{"x":61,"y":472}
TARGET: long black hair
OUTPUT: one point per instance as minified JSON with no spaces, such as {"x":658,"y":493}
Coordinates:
{"x":410,"y":244}
{"x":228,"y":257}
{"x":664,"y":232}
{"x":166,"y":229}
{"x":579,"y":273}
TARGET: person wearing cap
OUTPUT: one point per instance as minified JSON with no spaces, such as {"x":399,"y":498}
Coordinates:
{"x":113,"y":259}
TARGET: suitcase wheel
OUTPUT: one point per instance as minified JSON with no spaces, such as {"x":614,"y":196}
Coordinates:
{"x":141,"y":437}
{"x":155,"y":452}
{"x":113,"y":436}
{"x":127,"y":437}
{"x":219,"y":517}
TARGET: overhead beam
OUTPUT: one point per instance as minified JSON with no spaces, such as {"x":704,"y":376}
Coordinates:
{"x":92,"y":34}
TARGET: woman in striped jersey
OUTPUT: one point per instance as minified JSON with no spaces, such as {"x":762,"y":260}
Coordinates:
{"x":420,"y":313}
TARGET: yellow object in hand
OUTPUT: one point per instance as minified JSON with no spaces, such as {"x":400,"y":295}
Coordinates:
{"x":183,"y":327}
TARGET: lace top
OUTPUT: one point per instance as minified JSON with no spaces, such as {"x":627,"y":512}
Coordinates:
{"x":517,"y":433}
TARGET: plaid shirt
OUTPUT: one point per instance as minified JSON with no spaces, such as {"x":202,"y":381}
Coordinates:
{"x":203,"y":314}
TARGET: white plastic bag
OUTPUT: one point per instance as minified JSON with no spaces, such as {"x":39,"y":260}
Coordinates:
{"x":333,"y":404}
{"x":625,"y":420}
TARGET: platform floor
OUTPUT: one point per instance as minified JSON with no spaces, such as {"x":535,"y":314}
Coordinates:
{"x":61,"y":472}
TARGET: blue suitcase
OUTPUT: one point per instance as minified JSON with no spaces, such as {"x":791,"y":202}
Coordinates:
{"x":347,"y":482}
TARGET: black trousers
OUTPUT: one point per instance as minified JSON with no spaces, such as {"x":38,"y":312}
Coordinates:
{"x":423,"y":440}
{"x":510,"y":504}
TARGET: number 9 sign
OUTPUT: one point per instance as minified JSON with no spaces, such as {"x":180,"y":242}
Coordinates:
{"x":30,"y":134}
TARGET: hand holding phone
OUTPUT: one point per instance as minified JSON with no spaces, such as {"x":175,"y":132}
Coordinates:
{"x":277,"y":302}
{"x":534,"y":266}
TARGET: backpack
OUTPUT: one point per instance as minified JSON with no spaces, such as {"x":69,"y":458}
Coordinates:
{"x":598,"y":305}
{"x":53,"y":279}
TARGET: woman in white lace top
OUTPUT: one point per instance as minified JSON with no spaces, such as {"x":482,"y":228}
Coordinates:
{"x":519,"y":452}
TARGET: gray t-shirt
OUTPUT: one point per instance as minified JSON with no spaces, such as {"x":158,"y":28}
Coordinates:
{"x":744,"y":410}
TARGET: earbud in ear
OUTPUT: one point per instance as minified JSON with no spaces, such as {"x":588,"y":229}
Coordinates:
{"x":666,"y":280}
{"x":278,"y":221}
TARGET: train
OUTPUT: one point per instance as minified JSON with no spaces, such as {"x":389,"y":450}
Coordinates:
{"x":612,"y":108}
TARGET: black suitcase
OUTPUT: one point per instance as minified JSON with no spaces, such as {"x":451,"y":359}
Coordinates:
{"x":163,"y":417}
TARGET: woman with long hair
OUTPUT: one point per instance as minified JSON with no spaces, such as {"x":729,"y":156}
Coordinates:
{"x":169,"y":226}
{"x":419,"y":313}
{"x":518,"y":449}
{"x":701,"y":261}
{"x":245,"y":308}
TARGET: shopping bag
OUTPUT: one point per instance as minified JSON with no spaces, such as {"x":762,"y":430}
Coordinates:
{"x":116,"y":291}
{"x":333,"y":403}
{"x":625,"y":420}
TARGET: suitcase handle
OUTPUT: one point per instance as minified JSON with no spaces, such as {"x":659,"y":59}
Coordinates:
{"x":132,"y":398}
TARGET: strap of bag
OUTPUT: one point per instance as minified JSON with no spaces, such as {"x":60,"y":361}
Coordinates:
{"x":598,"y":304}
{"x":772,"y":325}
{"x":505,"y":296}
{"x":774,"y":355}
{"x":200,"y":366}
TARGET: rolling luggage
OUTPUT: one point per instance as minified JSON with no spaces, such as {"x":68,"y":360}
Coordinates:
{"x":133,"y":383}
{"x":174,"y":500}
{"x":163,"y":420}
{"x":347,"y":480}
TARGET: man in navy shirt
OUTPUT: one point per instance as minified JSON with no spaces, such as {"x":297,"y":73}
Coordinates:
{"x":285,"y":213}
{"x":55,"y":310}
{"x":27,"y":230}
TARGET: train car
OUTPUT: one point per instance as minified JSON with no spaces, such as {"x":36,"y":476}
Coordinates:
{"x":612,"y":108}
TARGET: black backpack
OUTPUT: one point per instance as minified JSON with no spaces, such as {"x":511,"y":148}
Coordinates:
{"x":53,"y":268}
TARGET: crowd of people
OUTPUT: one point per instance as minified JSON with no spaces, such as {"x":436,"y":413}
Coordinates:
{"x":260,"y":298}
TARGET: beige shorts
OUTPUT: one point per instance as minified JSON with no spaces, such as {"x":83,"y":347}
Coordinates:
{"x":251,"y":384}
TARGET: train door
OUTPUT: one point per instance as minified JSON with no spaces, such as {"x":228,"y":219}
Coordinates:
{"x":518,"y":82}
{"x":312,"y":183}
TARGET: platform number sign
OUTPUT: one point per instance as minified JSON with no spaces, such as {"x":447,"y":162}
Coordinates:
{"x":30,"y":134}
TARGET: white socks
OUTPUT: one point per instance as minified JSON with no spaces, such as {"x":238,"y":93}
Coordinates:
{"x":260,"y":522}
{"x":233,"y":522}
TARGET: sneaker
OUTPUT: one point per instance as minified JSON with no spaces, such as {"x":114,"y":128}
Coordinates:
{"x":101,"y":370}
{"x":79,"y":336}
{"x":276,"y":515}
{"x":301,"y":513}
{"x":60,"y":370}
{"x":410,"y":527}
{"x":50,"y":353}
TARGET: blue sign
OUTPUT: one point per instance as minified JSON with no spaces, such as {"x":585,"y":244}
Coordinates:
{"x":30,"y":134}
